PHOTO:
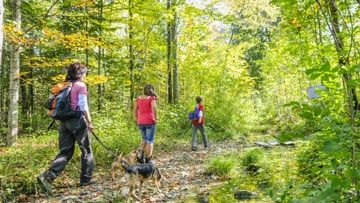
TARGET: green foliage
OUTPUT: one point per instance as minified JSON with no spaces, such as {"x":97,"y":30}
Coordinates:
{"x":220,"y":166}
{"x":276,"y":170}
{"x":252,"y":157}
{"x":251,"y":60}
{"x":21,"y":164}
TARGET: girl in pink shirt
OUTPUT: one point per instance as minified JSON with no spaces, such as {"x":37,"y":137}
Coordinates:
{"x":145,"y":116}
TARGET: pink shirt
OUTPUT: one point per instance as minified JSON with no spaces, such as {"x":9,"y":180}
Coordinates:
{"x":145,"y":114}
{"x":77,"y":88}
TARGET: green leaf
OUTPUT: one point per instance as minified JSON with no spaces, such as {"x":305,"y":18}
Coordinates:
{"x":310,"y":71}
{"x":315,"y":76}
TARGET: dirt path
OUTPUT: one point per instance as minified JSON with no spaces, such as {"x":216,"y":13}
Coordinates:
{"x":183,"y":171}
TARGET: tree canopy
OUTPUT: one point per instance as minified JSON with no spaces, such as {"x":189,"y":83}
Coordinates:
{"x":253,"y":61}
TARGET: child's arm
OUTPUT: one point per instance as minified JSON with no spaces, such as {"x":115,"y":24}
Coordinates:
{"x":135,"y":111}
{"x":153,"y":108}
{"x":200,"y":116}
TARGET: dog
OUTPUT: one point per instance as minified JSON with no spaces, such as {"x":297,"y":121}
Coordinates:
{"x":139,"y":173}
{"x":131,"y":158}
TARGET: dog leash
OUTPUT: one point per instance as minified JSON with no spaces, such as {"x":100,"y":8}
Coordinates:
{"x":96,"y":137}
{"x":103,"y":145}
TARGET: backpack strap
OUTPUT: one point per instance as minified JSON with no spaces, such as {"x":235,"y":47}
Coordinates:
{"x":70,"y":87}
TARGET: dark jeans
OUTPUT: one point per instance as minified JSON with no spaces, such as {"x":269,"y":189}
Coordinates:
{"x":72,"y":131}
{"x":195,"y":128}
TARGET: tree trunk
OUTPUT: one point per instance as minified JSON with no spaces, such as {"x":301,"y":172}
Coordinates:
{"x":100,"y":57}
{"x":343,"y":58}
{"x":87,"y":35}
{"x":344,"y":61}
{"x":99,"y":73}
{"x":1,"y":29}
{"x":131,"y":53}
{"x":14,"y":80}
{"x":23,"y":92}
{"x":174,"y":56}
{"x":1,"y":63}
{"x":31,"y":93}
{"x":169,"y":54}
{"x":2,"y":93}
{"x":2,"y":89}
{"x":104,"y":66}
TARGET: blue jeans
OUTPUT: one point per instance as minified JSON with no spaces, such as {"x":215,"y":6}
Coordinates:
{"x":148,"y":133}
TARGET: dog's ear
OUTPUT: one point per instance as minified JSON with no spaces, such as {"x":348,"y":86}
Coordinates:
{"x":120,"y":156}
{"x":133,"y":154}
{"x":124,"y":164}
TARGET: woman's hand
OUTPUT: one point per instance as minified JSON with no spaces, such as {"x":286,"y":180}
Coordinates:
{"x":90,"y":126}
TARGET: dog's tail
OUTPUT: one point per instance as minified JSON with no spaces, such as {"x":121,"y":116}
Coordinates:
{"x":115,"y":165}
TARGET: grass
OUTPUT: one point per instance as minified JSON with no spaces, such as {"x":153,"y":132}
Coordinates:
{"x":251,"y":157}
{"x":277,"y":170}
{"x":220,"y":166}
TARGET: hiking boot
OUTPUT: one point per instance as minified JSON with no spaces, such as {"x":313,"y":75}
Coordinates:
{"x":194,"y":148}
{"x":149,"y":160}
{"x":45,"y":184}
{"x":206,"y":147}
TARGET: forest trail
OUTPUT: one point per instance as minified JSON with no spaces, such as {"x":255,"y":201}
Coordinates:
{"x":183,"y":171}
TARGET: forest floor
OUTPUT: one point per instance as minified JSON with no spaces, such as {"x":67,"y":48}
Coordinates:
{"x":184,"y":176}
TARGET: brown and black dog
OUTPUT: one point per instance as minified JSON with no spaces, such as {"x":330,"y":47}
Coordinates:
{"x":138,"y":174}
{"x":116,"y":165}
{"x":135,"y":173}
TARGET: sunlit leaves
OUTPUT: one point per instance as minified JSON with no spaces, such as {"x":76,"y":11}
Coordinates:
{"x":75,"y":41}
{"x":13,"y":35}
{"x":43,"y":62}
{"x":90,"y":79}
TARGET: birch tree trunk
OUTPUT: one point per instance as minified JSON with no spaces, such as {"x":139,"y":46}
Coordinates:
{"x":14,"y":80}
{"x":1,"y":53}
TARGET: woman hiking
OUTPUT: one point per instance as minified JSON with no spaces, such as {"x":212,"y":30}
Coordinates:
{"x":73,"y":130}
{"x":145,"y":116}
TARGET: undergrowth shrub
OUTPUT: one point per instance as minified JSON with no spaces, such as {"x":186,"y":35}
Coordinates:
{"x":269,"y":176}
{"x":326,"y":167}
{"x":252,"y":157}
{"x":173,"y":121}
{"x":325,"y":161}
{"x":220,"y":166}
